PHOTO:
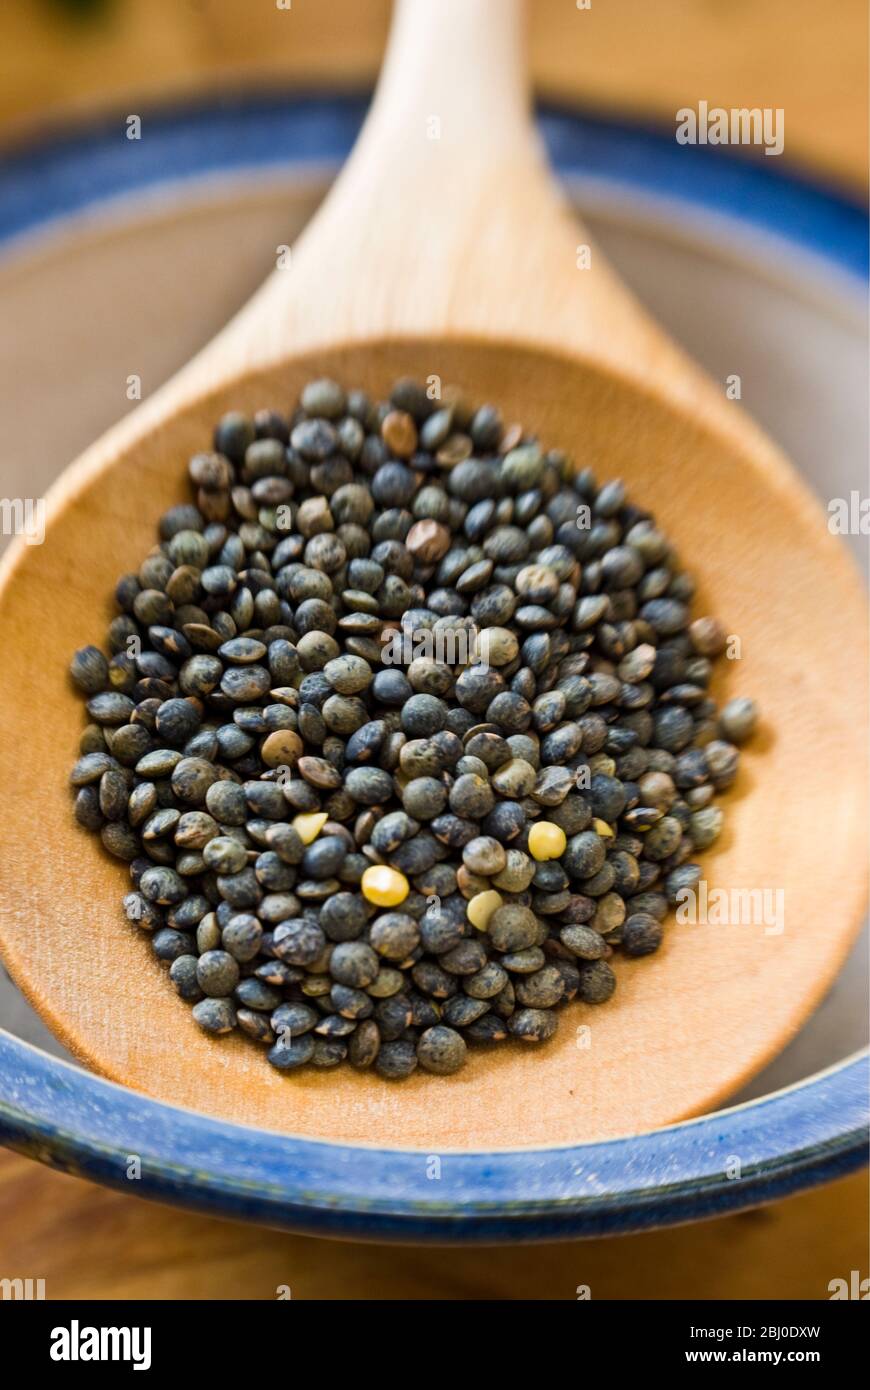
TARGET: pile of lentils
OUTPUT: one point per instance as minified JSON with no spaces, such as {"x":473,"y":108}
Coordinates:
{"x":348,"y":858}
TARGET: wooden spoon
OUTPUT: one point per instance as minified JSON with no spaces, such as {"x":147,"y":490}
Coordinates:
{"x":445,"y":251}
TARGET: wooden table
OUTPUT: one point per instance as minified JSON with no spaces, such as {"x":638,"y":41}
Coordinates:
{"x":628,"y":56}
{"x":89,"y":1243}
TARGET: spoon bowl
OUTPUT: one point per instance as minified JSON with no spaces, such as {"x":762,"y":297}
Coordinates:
{"x":486,"y":293}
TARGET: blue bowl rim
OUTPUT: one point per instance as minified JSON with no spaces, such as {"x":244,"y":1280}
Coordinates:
{"x":67,"y":170}
{"x":726,"y":1161}
{"x":81,"y":1123}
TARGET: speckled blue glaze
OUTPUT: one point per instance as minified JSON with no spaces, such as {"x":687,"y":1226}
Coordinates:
{"x":79,"y":1123}
{"x":91,"y":1127}
{"x":73,"y":171}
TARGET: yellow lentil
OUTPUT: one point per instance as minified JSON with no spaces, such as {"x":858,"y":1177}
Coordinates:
{"x":482,"y":906}
{"x":384,"y":886}
{"x":546,"y":840}
{"x":309,"y":825}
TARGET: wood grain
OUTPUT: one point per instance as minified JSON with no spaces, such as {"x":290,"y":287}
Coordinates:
{"x":485,"y":291}
{"x":626,"y":56}
{"x":90,"y":1243}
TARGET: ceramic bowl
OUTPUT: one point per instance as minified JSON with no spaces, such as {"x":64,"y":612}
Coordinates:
{"x":135,"y":256}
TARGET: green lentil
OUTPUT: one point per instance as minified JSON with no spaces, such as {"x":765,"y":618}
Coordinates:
{"x":261,"y":692}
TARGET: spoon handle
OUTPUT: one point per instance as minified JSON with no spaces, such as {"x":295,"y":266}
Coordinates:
{"x":446,"y":222}
{"x":440,"y":189}
{"x":454,"y":88}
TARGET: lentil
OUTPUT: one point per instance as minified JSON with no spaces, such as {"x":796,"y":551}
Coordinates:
{"x":274,"y":780}
{"x":547,"y":841}
{"x":384,"y":886}
{"x":482,"y":906}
